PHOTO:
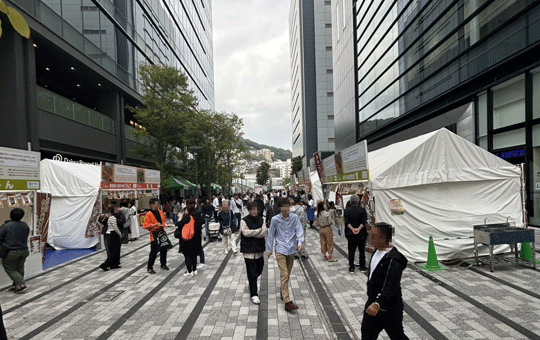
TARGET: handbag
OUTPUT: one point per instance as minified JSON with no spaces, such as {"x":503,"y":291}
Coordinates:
{"x":178,"y":233}
{"x":163,"y":241}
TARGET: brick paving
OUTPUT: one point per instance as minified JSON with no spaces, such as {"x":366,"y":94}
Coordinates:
{"x":128,"y":309}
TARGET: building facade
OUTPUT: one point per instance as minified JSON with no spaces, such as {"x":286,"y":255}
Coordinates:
{"x":312,"y":97}
{"x":65,"y":90}
{"x":470,"y":66}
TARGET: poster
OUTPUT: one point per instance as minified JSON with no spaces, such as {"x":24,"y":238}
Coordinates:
{"x":26,"y":200}
{"x":125,"y":174}
{"x":43,"y":210}
{"x":352,"y":163}
{"x":35,"y":244}
{"x":152,"y":176}
{"x":329,"y":173}
{"x":318,"y":165}
{"x":396,"y":207}
{"x":12,"y":201}
{"x":94,"y":227}
{"x":19,"y":169}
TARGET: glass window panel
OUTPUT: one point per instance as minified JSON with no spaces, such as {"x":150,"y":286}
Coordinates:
{"x":45,"y":100}
{"x":509,"y":103}
{"x":108,"y":124}
{"x":482,"y":115}
{"x":536,"y":93}
{"x":509,"y":139}
{"x":63,"y":107}
{"x":48,"y":11}
{"x":80,"y":113}
{"x":535,"y":188}
{"x":483,"y":142}
{"x":96,"y":119}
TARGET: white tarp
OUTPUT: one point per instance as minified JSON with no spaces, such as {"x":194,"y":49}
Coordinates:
{"x":446,"y":185}
{"x":74,"y":188}
{"x":316,"y":187}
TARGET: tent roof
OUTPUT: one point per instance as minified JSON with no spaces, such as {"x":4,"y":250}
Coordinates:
{"x":186,"y":182}
{"x":64,"y":179}
{"x":174,"y":183}
{"x":436,"y":157}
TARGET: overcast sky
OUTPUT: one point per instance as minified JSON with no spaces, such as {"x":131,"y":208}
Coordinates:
{"x":251,"y":65}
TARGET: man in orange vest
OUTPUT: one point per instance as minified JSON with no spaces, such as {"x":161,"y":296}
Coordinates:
{"x":154,"y":222}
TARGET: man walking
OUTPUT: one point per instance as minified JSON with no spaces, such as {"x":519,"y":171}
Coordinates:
{"x":356,"y":232}
{"x":154,"y":222}
{"x":384,"y":307}
{"x":125,"y":228}
{"x":288,"y":235}
{"x":228,"y":227}
{"x":14,"y":238}
{"x":237,"y":206}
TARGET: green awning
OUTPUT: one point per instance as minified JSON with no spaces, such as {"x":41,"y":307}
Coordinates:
{"x":215,"y":186}
{"x":174,"y":183}
{"x":187,"y":183}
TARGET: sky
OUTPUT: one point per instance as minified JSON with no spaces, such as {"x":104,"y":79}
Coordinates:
{"x":251,"y":67}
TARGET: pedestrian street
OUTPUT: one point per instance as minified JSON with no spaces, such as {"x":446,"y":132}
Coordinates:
{"x":80,"y":301}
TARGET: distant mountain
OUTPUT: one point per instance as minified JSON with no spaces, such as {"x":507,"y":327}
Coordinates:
{"x":279,"y":153}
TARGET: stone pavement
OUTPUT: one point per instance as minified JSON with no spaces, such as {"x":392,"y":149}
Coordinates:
{"x":79,"y":301}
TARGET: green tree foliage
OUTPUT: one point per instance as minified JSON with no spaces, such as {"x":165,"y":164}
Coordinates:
{"x":168,"y":109}
{"x":279,"y":153}
{"x":263,"y":173}
{"x":296,"y":164}
{"x":286,"y":181}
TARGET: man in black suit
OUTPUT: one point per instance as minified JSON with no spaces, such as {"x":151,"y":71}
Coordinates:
{"x":384,"y":307}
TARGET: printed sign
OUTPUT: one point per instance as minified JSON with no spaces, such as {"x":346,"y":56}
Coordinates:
{"x":152,"y":176}
{"x":318,"y":165}
{"x":396,"y":207}
{"x":329,"y":173}
{"x":125,"y":174}
{"x":352,"y":163}
{"x":19,"y":169}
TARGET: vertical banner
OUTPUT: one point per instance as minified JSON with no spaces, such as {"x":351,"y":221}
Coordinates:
{"x":318,"y":164}
{"x":94,"y":228}
{"x":43,"y":211}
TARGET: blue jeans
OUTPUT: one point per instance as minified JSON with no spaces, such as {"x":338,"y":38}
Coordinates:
{"x":206,"y":221}
{"x":175,"y":218}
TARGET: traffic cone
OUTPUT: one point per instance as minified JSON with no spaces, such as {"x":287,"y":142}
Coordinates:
{"x":527,"y":252}
{"x":432,"y":264}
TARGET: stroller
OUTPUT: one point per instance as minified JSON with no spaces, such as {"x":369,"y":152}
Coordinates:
{"x":213,"y":230}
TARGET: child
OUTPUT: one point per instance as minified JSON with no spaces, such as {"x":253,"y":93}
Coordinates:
{"x":325,"y":232}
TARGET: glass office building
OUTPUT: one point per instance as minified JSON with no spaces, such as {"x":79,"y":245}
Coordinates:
{"x":471,"y":66}
{"x":81,"y":69}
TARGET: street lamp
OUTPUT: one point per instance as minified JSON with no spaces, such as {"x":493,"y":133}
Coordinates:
{"x":195,"y":148}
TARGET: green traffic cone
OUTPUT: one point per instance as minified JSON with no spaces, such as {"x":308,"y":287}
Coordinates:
{"x":432,"y":264}
{"x":527,"y":252}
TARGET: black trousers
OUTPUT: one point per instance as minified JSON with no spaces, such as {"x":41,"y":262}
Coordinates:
{"x":3,"y":335}
{"x":113,"y":244}
{"x":154,"y":250}
{"x":125,"y":235}
{"x":191,"y":263}
{"x":360,"y":244}
{"x":238,"y":219}
{"x":254,"y":268}
{"x":391,"y":320}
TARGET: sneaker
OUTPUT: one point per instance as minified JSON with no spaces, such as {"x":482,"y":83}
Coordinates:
{"x":20,"y":289}
{"x":13,"y":288}
{"x":325,"y":258}
{"x":201,"y":265}
{"x":290,"y":306}
{"x":165,"y":267}
{"x":363,"y":269}
{"x":116,"y":267}
{"x":331,"y":259}
{"x":351,"y":270}
{"x":226,"y":252}
{"x":195,"y":273}
{"x":186,"y":274}
{"x":150,"y":271}
{"x":255,"y":299}
{"x":235,"y":252}
{"x":103,"y":267}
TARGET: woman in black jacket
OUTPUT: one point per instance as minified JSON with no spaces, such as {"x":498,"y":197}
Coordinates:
{"x":191,"y":248}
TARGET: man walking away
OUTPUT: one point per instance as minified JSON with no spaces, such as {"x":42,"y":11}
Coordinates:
{"x":384,"y":307}
{"x":14,"y":237}
{"x":252,"y":245}
{"x":228,"y":227}
{"x":216,"y":205}
{"x":326,"y":233}
{"x":260,"y":204}
{"x":154,"y":222}
{"x":288,"y":235}
{"x":127,"y":224}
{"x":271,"y":210}
{"x":356,"y":232}
{"x":298,"y":210}
{"x":176,"y":210}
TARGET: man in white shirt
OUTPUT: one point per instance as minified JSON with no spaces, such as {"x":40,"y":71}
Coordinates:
{"x":217,"y":207}
{"x":236,"y":207}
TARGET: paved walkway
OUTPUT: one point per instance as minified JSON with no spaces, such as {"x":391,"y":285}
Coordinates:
{"x":79,"y":301}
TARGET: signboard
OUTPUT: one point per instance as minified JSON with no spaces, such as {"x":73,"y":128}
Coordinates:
{"x":329,"y":173}
{"x":152,"y":176}
{"x":352,"y":163}
{"x":318,"y":164}
{"x":122,"y":177}
{"x":19,"y":169}
{"x":125,"y":174}
{"x":307,"y":177}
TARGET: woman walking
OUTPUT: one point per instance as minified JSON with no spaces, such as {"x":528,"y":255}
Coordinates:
{"x":252,"y":245}
{"x":310,"y":211}
{"x":325,"y":232}
{"x":113,"y":242}
{"x":190,"y":226}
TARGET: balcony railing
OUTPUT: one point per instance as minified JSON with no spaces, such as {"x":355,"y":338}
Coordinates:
{"x":61,"y":106}
{"x":130,"y":135}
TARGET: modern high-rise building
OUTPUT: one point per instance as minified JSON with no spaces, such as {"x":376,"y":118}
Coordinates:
{"x":64,"y":91}
{"x":310,"y":30}
{"x":470,"y":66}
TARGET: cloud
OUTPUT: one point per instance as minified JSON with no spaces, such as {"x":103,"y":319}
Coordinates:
{"x":251,"y":63}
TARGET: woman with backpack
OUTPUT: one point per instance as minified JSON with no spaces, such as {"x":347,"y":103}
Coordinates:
{"x":189,"y":228}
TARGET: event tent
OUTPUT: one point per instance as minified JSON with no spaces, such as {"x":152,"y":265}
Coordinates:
{"x":74,"y":189}
{"x":316,"y":187}
{"x":446,"y":185}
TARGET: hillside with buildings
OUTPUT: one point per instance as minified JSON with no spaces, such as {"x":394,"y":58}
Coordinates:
{"x":278,"y":153}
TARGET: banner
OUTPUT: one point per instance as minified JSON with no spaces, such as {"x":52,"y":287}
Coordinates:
{"x":93,"y":228}
{"x":318,"y":164}
{"x":124,"y":174}
{"x":19,"y":169}
{"x":122,"y":177}
{"x":152,"y":176}
{"x":43,"y":212}
{"x":329,"y":173}
{"x":352,"y":163}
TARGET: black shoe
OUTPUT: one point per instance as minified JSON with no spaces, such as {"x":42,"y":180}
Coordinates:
{"x":351,"y":270}
{"x":116,"y":267}
{"x":363,"y":269}
{"x":103,"y":267}
{"x":151,"y":271}
{"x":164,"y":267}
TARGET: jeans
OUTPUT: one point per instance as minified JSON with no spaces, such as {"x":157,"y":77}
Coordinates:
{"x":175,"y":218}
{"x":239,"y":219}
{"x":254,"y":268}
{"x":154,"y":250}
{"x":201,"y":255}
{"x":206,"y":222}
{"x":360,"y":244}
{"x":13,"y":264}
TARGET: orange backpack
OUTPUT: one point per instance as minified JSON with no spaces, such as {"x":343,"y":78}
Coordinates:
{"x":188,"y":231}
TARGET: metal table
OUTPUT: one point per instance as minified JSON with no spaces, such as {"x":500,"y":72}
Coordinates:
{"x":502,"y":233}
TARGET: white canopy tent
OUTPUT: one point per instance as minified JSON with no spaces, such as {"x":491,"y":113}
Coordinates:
{"x":316,"y":187}
{"x":74,"y":189}
{"x":446,"y":185}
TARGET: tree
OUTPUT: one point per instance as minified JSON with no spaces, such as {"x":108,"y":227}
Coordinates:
{"x":286,"y":181}
{"x":262,"y":173}
{"x":297,"y":164}
{"x":168,"y":107}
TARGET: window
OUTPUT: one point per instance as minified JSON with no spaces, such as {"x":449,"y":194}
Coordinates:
{"x":536,"y":93}
{"x":329,"y":48}
{"x":509,"y":102}
{"x":535,"y":177}
{"x":328,"y":25}
{"x":482,"y":121}
{"x":344,"y":13}
{"x":337,"y":20}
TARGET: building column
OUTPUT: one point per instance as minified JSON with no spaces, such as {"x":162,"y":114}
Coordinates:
{"x":18,"y":113}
